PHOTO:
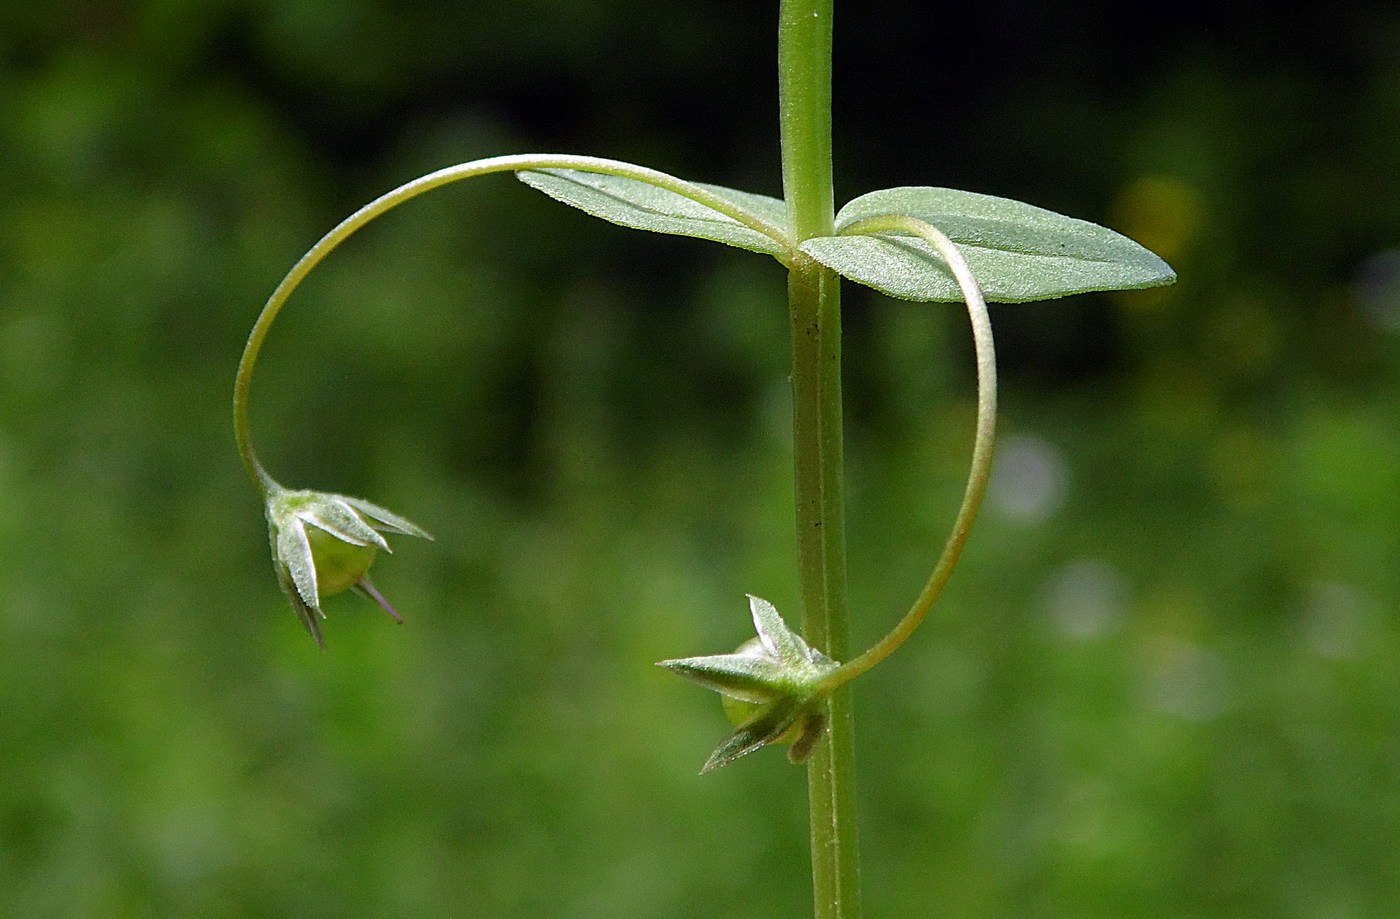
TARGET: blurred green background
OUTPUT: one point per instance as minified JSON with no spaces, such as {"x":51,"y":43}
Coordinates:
{"x":1164,"y":682}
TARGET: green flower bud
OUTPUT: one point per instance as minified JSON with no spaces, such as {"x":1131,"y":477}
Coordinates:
{"x":772,"y":688}
{"x":323,"y":544}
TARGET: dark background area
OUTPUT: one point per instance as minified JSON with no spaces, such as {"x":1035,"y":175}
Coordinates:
{"x":1164,"y":682}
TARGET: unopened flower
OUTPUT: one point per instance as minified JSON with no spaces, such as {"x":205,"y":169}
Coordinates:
{"x":773,"y":687}
{"x":323,"y":544}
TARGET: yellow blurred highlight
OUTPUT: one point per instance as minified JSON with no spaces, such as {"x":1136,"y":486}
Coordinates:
{"x":1162,"y":213}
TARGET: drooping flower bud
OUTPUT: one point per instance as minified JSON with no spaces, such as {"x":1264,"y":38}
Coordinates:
{"x":323,"y":544}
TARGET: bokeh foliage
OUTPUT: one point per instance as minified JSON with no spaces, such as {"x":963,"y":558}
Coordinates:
{"x":1164,"y":682}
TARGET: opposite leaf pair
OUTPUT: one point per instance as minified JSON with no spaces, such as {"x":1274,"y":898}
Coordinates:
{"x":1017,"y":251}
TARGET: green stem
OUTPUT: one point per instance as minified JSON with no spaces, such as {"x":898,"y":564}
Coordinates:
{"x":410,"y":190}
{"x":981,"y":448}
{"x":817,"y":466}
{"x":804,"y":68}
{"x":804,"y":104}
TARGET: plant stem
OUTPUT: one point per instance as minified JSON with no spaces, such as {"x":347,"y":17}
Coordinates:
{"x":817,"y":461}
{"x":804,"y":73}
{"x":804,"y":103}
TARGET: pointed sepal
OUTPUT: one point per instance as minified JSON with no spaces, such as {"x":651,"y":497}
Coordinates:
{"x":743,"y":675}
{"x":812,"y":728}
{"x":781,"y":642}
{"x":766,"y":725}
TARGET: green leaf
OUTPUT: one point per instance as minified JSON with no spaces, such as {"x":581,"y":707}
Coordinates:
{"x":643,"y":206}
{"x":1017,"y":252}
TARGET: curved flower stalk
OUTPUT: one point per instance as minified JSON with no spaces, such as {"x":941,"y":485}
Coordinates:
{"x":984,"y":439}
{"x":324,"y":543}
{"x":787,"y":680}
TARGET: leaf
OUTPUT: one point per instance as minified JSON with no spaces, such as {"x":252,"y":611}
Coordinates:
{"x":643,"y":206}
{"x":1018,"y":252}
